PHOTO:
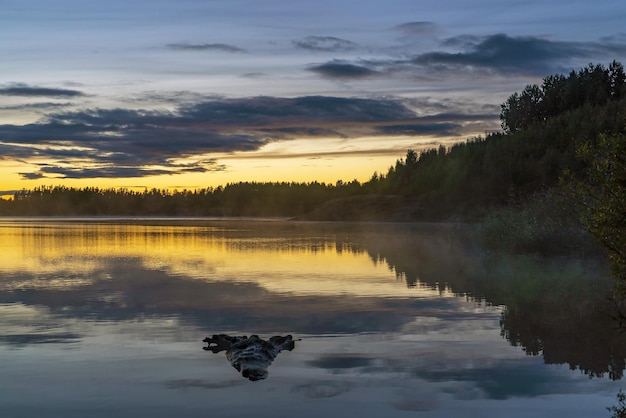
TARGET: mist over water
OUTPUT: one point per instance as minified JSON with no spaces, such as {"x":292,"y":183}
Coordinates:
{"x":107,"y":317}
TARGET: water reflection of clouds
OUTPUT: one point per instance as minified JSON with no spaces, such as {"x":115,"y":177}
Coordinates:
{"x":139,"y":305}
{"x":201,"y":384}
{"x":132,"y":292}
{"x":462,"y":366}
{"x":23,"y":325}
{"x":39,"y":338}
{"x":373,"y":374}
{"x":473,"y":370}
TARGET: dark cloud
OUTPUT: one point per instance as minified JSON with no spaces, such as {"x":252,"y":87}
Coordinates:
{"x":136,"y":143}
{"x":307,"y":110}
{"x":109,"y":171}
{"x":342,"y":70}
{"x":503,"y":53}
{"x":325,"y":44}
{"x":205,"y":47}
{"x":31,"y":176}
{"x":499,"y":53}
{"x":253,"y":75}
{"x":114,"y":146}
{"x":25,"y":90}
{"x":417,"y":28}
{"x":35,"y":106}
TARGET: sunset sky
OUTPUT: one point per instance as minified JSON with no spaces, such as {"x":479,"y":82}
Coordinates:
{"x":197,"y":93}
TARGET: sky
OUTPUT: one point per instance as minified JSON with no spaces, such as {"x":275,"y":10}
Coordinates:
{"x":188,"y":94}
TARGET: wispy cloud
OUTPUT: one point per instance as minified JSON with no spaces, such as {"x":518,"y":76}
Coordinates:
{"x":205,"y":47}
{"x":418,"y":28}
{"x":108,"y":171}
{"x":618,"y":38}
{"x":25,"y":90}
{"x":275,"y":111}
{"x":36,"y":106}
{"x":325,"y":43}
{"x":444,"y":128}
{"x":342,"y":70}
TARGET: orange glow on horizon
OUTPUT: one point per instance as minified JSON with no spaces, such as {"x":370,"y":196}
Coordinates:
{"x":325,"y":160}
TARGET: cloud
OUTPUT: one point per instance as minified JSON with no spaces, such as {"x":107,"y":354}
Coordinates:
{"x":35,"y":106}
{"x":110,"y":171}
{"x":32,"y":176}
{"x":325,"y":44}
{"x":439,"y":129}
{"x":136,"y":143}
{"x":274,"y":111}
{"x":117,"y":144}
{"x":418,"y":28}
{"x":478,"y":57}
{"x":206,"y":47}
{"x":254,"y":75}
{"x":618,"y":38}
{"x":503,"y":53}
{"x":25,"y":90}
{"x":458,"y":109}
{"x":342,"y":70}
{"x":486,"y":55}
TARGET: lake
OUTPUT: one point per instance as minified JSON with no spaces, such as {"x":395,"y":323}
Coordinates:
{"x":106,"y":317}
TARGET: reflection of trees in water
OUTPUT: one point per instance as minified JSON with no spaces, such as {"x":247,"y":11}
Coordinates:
{"x":587,"y":340}
{"x":429,"y":255}
{"x":557,"y":308}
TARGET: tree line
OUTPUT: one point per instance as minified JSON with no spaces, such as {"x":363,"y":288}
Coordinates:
{"x":233,"y":199}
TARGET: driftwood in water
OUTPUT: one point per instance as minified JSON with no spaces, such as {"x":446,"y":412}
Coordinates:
{"x":249,"y":355}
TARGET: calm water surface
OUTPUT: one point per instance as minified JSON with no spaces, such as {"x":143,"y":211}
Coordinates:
{"x":106,"y":318}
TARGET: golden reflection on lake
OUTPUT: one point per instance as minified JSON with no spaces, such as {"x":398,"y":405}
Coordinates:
{"x":68,"y":254}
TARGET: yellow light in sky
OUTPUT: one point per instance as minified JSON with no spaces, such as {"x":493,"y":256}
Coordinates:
{"x":300,"y":160}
